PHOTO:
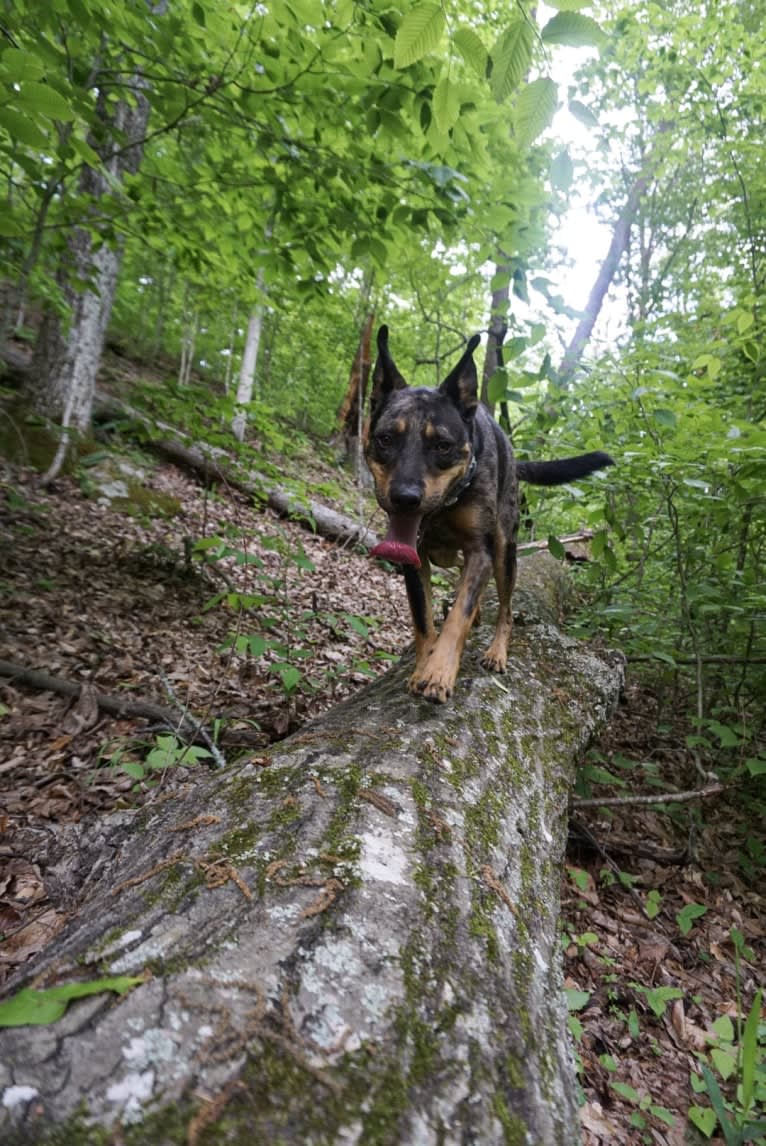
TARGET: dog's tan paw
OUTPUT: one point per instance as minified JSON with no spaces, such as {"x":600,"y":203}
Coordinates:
{"x":431,"y":687}
{"x":494,"y":661}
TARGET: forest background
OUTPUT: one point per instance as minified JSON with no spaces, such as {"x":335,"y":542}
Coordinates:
{"x":227,"y":192}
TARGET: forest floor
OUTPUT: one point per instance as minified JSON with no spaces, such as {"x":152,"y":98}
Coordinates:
{"x":663,"y":910}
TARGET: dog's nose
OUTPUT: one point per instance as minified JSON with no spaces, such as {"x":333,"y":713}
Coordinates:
{"x":405,"y":496}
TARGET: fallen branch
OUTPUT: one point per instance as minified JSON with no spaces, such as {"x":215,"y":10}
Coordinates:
{"x":188,"y":727}
{"x":666,"y":798}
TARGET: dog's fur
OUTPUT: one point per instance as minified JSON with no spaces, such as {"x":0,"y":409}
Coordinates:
{"x":446,"y":476}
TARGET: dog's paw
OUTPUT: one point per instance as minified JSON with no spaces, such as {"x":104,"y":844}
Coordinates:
{"x":431,"y":687}
{"x":494,"y":661}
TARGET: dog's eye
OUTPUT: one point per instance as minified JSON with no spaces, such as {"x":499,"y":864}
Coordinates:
{"x":383,"y":441}
{"x":443,"y":446}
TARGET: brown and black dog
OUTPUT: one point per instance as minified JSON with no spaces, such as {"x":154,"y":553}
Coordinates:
{"x":446,"y":476}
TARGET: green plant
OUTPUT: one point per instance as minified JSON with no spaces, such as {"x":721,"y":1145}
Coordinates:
{"x":737,"y":1056}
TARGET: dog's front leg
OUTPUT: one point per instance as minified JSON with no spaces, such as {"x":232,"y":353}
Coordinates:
{"x":418,"y":583}
{"x":435,"y":679}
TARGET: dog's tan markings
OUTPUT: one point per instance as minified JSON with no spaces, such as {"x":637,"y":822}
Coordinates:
{"x":401,"y":425}
{"x":381,"y":476}
{"x":437,"y":485}
{"x":430,"y":430}
{"x":436,"y":679}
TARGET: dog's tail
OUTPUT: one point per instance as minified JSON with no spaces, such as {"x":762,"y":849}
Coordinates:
{"x":563,"y":469}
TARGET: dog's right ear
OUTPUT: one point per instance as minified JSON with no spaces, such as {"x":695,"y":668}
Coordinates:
{"x":385,"y":377}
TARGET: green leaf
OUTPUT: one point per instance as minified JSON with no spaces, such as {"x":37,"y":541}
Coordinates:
{"x":21,"y":65}
{"x":510,"y":58}
{"x":419,"y":33}
{"x":535,"y":108}
{"x":133,"y":768}
{"x":446,"y":104}
{"x":664,"y":417}
{"x":756,"y":765}
{"x":750,"y":1051}
{"x":582,"y":113}
{"x":686,"y":916}
{"x":497,"y":386}
{"x":703,"y":1117}
{"x":45,"y":100}
{"x":659,"y":997}
{"x":472,"y":49}
{"x":562,"y":171}
{"x":576,"y":1000}
{"x":36,"y":1008}
{"x":22,"y":129}
{"x":555,"y":548}
{"x":625,"y":1091}
{"x":574,"y":30}
{"x":725,"y":1062}
{"x":289,"y":675}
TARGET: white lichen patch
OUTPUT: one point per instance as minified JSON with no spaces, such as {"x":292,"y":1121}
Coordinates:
{"x":130,"y":1093}
{"x":382,"y":858}
{"x":18,"y":1096}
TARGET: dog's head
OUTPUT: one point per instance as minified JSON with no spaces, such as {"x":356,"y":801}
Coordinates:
{"x":419,"y":447}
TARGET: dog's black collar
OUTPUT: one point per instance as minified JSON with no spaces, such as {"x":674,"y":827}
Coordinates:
{"x":463,"y":484}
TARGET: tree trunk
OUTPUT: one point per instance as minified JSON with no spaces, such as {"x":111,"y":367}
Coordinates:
{"x":249,"y":363}
{"x":498,"y":328}
{"x":350,"y":940}
{"x":68,"y":351}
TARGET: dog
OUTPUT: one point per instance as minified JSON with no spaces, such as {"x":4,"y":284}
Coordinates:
{"x":445,"y":475}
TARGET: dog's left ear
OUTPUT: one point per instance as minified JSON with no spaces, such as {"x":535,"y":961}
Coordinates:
{"x":461,"y":385}
{"x":385,"y":376}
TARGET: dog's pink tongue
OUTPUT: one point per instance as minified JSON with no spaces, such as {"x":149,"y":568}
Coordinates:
{"x":398,"y":546}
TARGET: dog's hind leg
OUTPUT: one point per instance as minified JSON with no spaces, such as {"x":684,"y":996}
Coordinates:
{"x":496,"y":657}
{"x":418,"y":584}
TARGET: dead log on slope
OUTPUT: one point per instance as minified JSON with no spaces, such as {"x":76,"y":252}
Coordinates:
{"x":355,"y":944}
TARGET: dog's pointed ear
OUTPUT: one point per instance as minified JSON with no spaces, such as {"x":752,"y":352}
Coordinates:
{"x":385,"y":377}
{"x":461,"y":385}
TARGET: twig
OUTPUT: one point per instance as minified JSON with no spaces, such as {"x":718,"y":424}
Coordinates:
{"x":667,"y":798}
{"x":187,"y":727}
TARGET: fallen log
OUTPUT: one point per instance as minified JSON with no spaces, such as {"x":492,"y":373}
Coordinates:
{"x":356,"y":943}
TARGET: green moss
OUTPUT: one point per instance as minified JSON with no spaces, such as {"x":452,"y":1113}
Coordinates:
{"x":239,"y":844}
{"x":515,"y":1131}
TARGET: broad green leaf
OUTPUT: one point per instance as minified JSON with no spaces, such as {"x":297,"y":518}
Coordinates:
{"x":750,"y":1051}
{"x":576,"y":1000}
{"x":419,"y":33}
{"x":510,"y":58}
{"x":555,"y":548}
{"x":289,"y":675}
{"x":18,"y":65}
{"x":704,"y":1118}
{"x":20,"y":127}
{"x":562,"y":171}
{"x":756,"y":765}
{"x":725,"y":1062}
{"x":574,"y":30}
{"x":45,"y":100}
{"x":625,"y":1091}
{"x":446,"y":104}
{"x":472,"y":49}
{"x":535,"y":108}
{"x":30,"y":1007}
{"x":497,"y":385}
{"x":582,"y":113}
{"x":686,"y":916}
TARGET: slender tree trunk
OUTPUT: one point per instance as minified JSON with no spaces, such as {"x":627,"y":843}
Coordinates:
{"x":498,"y":328}
{"x":68,"y":351}
{"x":249,"y":362}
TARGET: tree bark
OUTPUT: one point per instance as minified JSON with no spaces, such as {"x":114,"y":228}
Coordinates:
{"x":249,"y":363}
{"x":352,"y":940}
{"x":68,"y":351}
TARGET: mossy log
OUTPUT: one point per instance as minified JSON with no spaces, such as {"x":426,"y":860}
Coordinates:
{"x":350,"y":940}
